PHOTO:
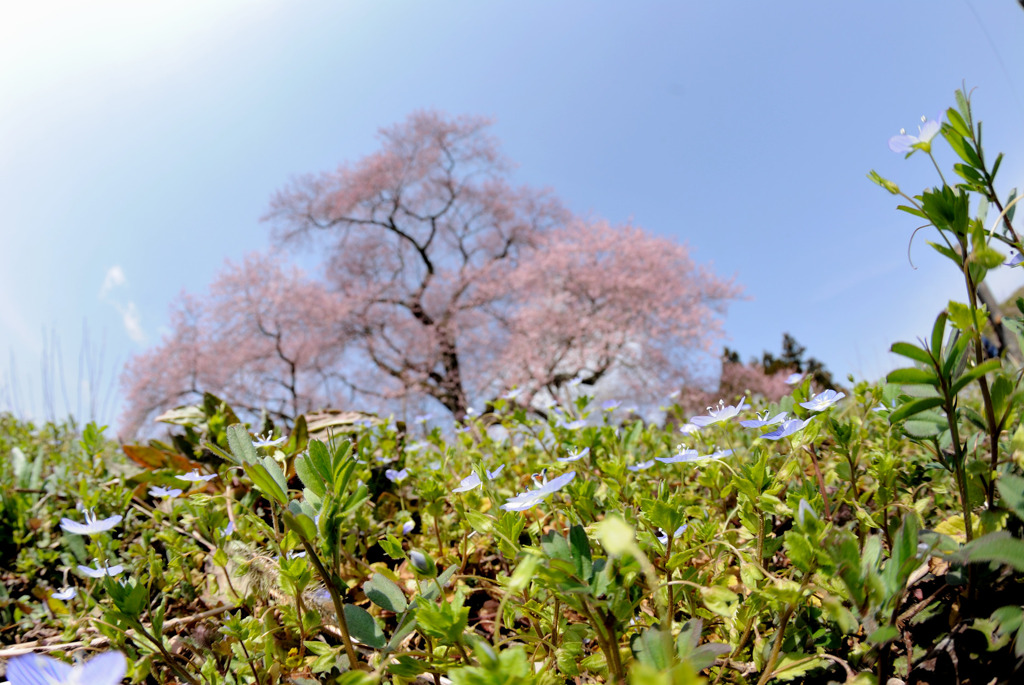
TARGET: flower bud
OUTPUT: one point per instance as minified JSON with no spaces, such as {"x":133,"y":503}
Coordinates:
{"x":422,"y":564}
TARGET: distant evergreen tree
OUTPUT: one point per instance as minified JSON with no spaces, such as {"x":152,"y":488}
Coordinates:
{"x":792,"y":358}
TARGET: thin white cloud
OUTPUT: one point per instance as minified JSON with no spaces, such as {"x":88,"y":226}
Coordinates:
{"x":132,"y":322}
{"x":113,"y":279}
{"x":130,"y":318}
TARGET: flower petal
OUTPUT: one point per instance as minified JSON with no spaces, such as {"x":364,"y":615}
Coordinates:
{"x":103,"y":669}
{"x":902,"y":143}
{"x":36,"y":669}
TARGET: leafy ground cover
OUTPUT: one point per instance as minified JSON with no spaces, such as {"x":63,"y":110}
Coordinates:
{"x":831,"y":536}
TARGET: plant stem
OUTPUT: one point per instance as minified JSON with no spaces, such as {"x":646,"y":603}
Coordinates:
{"x":821,"y":481}
{"x":769,"y":667}
{"x":137,"y":625}
{"x":339,"y":608}
{"x":986,"y":396}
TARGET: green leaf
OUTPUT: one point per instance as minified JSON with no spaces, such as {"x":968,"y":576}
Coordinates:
{"x":320,"y":460}
{"x":956,"y":355}
{"x":963,"y":148}
{"x":912,"y":352}
{"x":392,"y":546}
{"x":265,"y":482}
{"x":275,"y":472}
{"x":964,"y":106}
{"x":363,"y":628}
{"x":446,"y":620}
{"x":1011,"y":488}
{"x":1002,"y":390}
{"x":241,"y":445}
{"x":988,"y":257}
{"x":720,"y":600}
{"x":913,"y":376}
{"x":663,"y":515}
{"x":299,"y":438}
{"x":299,"y":522}
{"x":309,"y":477}
{"x":948,"y":253}
{"x":957,"y":122}
{"x":939,"y":331}
{"x":481,"y":523}
{"x":914,"y":407}
{"x":794,"y":665}
{"x":922,"y":429}
{"x":580,"y":546}
{"x":1000,"y":547}
{"x":385,"y":593}
{"x":650,"y":647}
{"x":616,"y":536}
{"x":406,"y":667}
{"x":970,"y":174}
{"x":975,"y":373}
{"x":960,"y":317}
{"x":912,"y":210}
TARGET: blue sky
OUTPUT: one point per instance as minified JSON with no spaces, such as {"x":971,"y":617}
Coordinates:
{"x":140,"y":144}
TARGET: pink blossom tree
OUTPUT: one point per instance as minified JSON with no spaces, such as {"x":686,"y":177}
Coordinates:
{"x":440,"y":281}
{"x":265,"y":337}
{"x":595,"y":301}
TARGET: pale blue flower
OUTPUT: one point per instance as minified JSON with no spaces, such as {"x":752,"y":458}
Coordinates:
{"x":571,"y":425}
{"x":421,"y":418}
{"x":641,"y":466}
{"x":922,"y":141}
{"x":408,"y":526}
{"x":296,"y":554}
{"x":194,"y":476}
{"x":689,"y":428}
{"x":100,"y":572}
{"x":65,"y":594}
{"x":164,"y":492}
{"x":469,"y":483}
{"x":805,"y":509}
{"x":473,"y":480}
{"x":396,"y":476}
{"x":683,"y":455}
{"x":512,"y":394}
{"x":786,"y":429}
{"x":228,"y":529}
{"x":760,"y":421}
{"x":35,"y":669}
{"x":1015,"y":260}
{"x":419,"y":561}
{"x":794,"y":378}
{"x":575,"y":456}
{"x":531,"y":498}
{"x":92,"y":526}
{"x":663,"y":538}
{"x":823,"y":400}
{"x":416,"y":447}
{"x":686,"y":456}
{"x":883,"y":407}
{"x":268,"y":441}
{"x":576,"y":380}
{"x":610,"y":405}
{"x":722,"y":413}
